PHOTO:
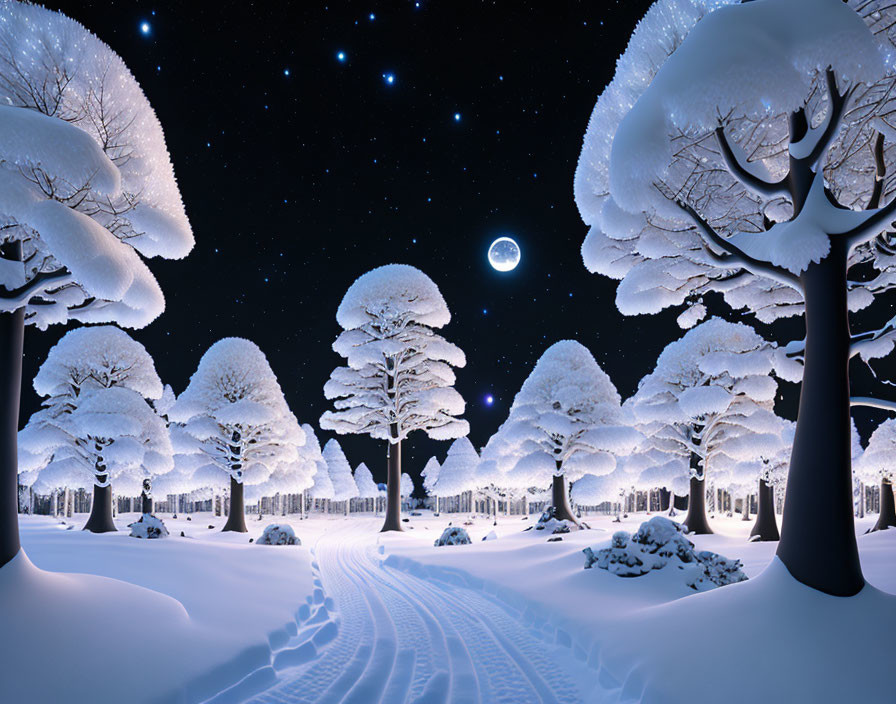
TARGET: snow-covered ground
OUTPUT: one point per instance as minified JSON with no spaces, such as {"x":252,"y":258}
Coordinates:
{"x":358,"y":616}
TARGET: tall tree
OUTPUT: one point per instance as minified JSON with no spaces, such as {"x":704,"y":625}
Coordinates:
{"x":88,"y":191}
{"x":399,"y":375}
{"x":64,"y":438}
{"x":693,"y":406}
{"x":567,"y":421}
{"x":234,"y":411}
{"x":765,"y":175}
{"x":457,"y":473}
{"x":430,"y":475}
{"x":340,"y":471}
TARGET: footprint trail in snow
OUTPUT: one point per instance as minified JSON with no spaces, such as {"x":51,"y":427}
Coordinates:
{"x":400,"y":638}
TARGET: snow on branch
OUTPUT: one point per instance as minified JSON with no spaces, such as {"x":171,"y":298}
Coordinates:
{"x":870,"y":402}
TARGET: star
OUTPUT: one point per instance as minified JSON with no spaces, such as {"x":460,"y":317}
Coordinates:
{"x":286,"y":72}
{"x":340,"y":57}
{"x":389,"y":78}
{"x":145,"y":28}
{"x":457,"y":117}
{"x":489,"y":400}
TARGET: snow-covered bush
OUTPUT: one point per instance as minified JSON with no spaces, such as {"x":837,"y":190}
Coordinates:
{"x":659,"y":543}
{"x":278,"y":534}
{"x":148,"y":527}
{"x":398,"y":376}
{"x":453,"y":535}
{"x":550,"y":523}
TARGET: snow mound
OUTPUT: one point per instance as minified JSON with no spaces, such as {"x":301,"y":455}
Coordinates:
{"x":553,"y":525}
{"x":658,"y":543}
{"x":148,"y":527}
{"x":278,"y":534}
{"x":453,"y":535}
{"x":491,"y":536}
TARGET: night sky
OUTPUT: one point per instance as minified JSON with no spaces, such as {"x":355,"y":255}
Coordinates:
{"x":302,"y":165}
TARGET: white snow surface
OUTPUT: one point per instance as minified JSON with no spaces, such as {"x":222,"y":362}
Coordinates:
{"x":207,"y":610}
{"x":391,"y":618}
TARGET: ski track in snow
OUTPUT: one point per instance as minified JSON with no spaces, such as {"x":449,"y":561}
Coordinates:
{"x":400,"y":638}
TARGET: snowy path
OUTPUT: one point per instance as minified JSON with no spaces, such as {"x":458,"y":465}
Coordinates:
{"x":405,"y":639}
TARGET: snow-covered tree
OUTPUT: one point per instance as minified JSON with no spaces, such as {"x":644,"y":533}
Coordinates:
{"x":344,"y":487}
{"x":367,"y":488}
{"x":399,"y":375}
{"x":764,"y":174}
{"x":234,"y":410}
{"x":457,"y":472}
{"x":60,"y":440}
{"x":88,"y":191}
{"x":430,"y":475}
{"x":593,"y":489}
{"x":407,"y":486}
{"x":694,"y":406}
{"x":567,"y":421}
{"x":878,"y":465}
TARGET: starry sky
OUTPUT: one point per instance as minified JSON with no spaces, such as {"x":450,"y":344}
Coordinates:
{"x":313,"y":142}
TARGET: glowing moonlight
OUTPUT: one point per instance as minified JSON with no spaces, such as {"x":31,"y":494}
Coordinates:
{"x":504,"y":254}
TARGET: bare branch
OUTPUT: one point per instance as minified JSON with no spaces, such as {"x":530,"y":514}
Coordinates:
{"x":738,"y":256}
{"x":743,"y":174}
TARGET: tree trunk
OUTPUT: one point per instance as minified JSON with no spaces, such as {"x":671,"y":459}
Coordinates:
{"x":146,"y":504}
{"x":818,"y":539}
{"x":393,"y":486}
{"x":766,"y":525}
{"x":560,"y":500}
{"x":12,"y":333}
{"x":696,"y":519}
{"x":100,"y":520}
{"x":887,"y":518}
{"x":236,"y":519}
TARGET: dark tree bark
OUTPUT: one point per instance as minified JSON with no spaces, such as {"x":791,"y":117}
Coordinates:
{"x":560,"y":501}
{"x":12,"y":332}
{"x":393,"y":486}
{"x":236,"y":519}
{"x":696,"y":520}
{"x":887,"y":518}
{"x":679,"y":503}
{"x":146,"y":497}
{"x":665,"y":499}
{"x":100,"y":520}
{"x":766,"y":525}
{"x":818,"y":540}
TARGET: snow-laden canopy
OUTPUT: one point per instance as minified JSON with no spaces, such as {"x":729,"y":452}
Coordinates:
{"x":97,"y":357}
{"x":458,"y":470}
{"x":593,"y":490}
{"x":86,"y":185}
{"x":430,"y":475}
{"x":234,"y":410}
{"x":878,"y":461}
{"x":399,"y":376}
{"x":407,"y":485}
{"x":708,"y":402}
{"x":367,"y":488}
{"x":344,"y":487}
{"x":321,"y":485}
{"x":734,"y":144}
{"x":74,"y":440}
{"x":566,"y":420}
